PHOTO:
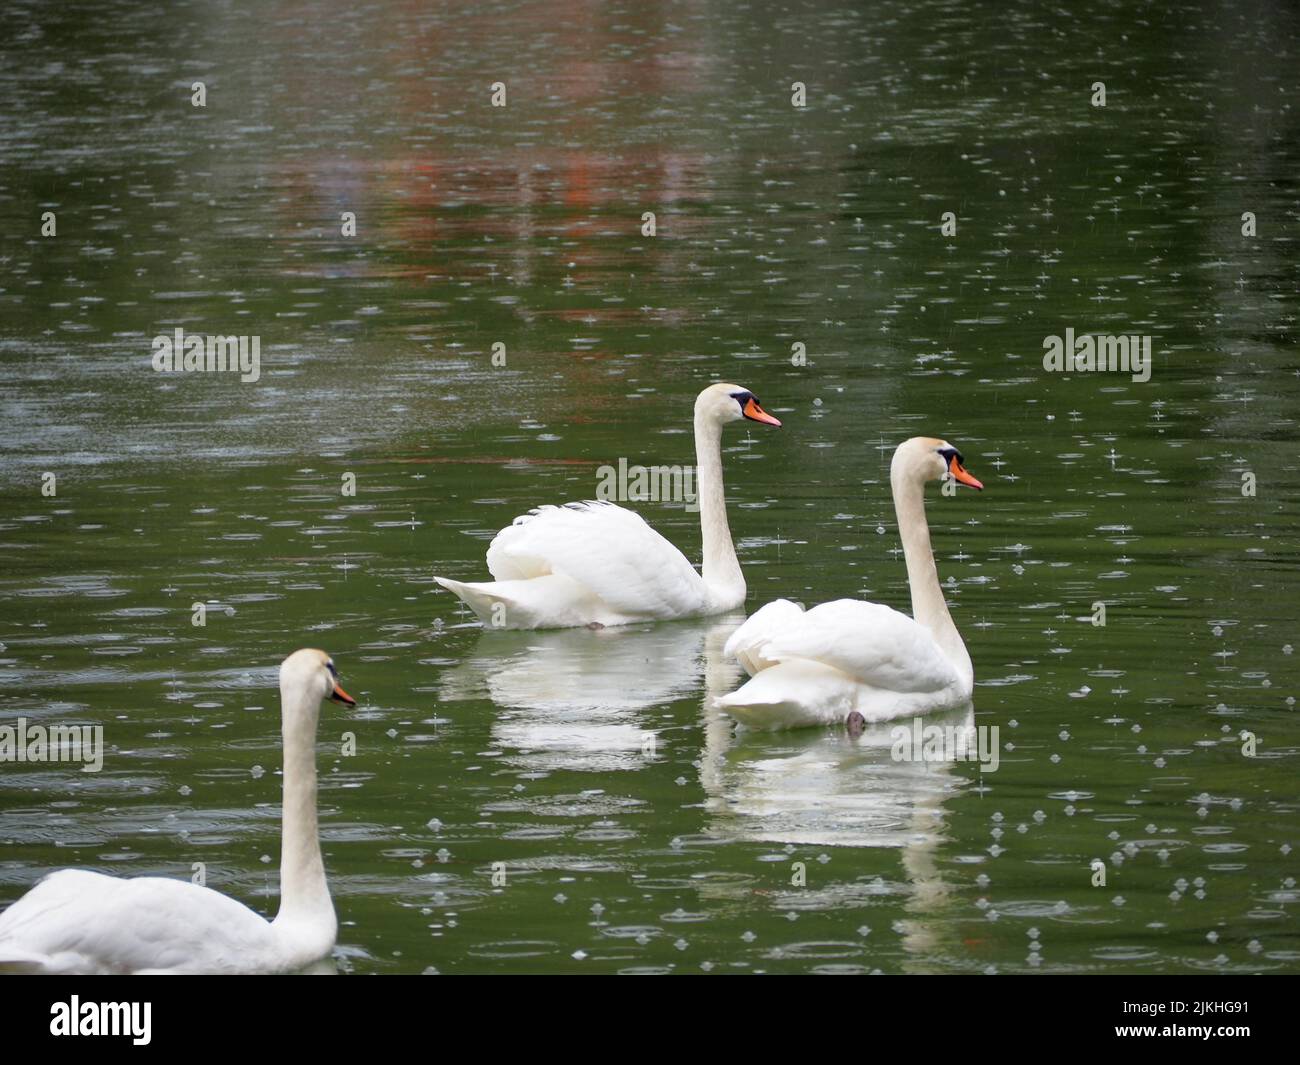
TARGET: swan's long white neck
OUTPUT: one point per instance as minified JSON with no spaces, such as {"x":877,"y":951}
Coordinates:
{"x":720,"y":569}
{"x":928,"y":605}
{"x":304,"y":895}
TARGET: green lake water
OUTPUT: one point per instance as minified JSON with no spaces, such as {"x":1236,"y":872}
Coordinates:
{"x":523,"y":757}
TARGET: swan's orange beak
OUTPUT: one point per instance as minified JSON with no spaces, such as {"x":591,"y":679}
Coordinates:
{"x":338,"y":695}
{"x":755,"y":413}
{"x":960,"y":475}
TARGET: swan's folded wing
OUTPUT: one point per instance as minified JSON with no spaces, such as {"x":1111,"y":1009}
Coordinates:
{"x":747,"y":643}
{"x":128,"y":925}
{"x":874,"y":644}
{"x":608,"y":549}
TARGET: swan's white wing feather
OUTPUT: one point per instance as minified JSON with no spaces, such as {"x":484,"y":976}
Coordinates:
{"x":605,"y":548}
{"x":874,"y":644}
{"x":75,"y":920}
{"x":747,"y":642}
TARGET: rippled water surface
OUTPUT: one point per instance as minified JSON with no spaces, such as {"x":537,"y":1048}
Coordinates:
{"x":636,"y":831}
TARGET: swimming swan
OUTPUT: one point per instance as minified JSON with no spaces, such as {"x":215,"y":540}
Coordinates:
{"x":75,"y":921}
{"x":599,"y":564}
{"x":850,"y":662}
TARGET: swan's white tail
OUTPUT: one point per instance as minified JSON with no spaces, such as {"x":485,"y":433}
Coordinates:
{"x":478,"y":597}
{"x":792,"y":695}
{"x":749,"y":642}
{"x":550,"y":601}
{"x":13,"y":960}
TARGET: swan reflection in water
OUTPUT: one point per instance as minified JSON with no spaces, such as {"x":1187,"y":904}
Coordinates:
{"x":580,"y":699}
{"x":826,"y":788}
{"x":583,"y":700}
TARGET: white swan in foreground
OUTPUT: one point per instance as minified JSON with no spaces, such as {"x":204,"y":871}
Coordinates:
{"x":76,"y":921}
{"x":850,"y":662}
{"x":599,"y":564}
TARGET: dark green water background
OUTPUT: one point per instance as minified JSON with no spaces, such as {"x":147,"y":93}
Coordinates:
{"x":776,"y":225}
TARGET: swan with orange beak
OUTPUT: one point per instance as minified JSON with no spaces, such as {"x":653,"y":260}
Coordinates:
{"x":853,"y":663}
{"x":598,"y":564}
{"x":83,"y":922}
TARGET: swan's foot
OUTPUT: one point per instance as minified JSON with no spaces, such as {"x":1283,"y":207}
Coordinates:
{"x":594,"y":625}
{"x":855,"y":723}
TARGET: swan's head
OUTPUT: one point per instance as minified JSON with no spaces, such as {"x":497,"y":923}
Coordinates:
{"x":729,"y":403}
{"x":313,"y":671}
{"x":923,"y":458}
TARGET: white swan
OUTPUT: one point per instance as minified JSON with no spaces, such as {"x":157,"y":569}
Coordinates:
{"x":599,"y":564}
{"x":76,"y":921}
{"x":850,"y":662}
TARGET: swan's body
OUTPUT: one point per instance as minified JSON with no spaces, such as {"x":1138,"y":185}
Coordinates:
{"x":76,"y":921}
{"x":597,"y":563}
{"x":848,"y":657}
{"x":584,"y":564}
